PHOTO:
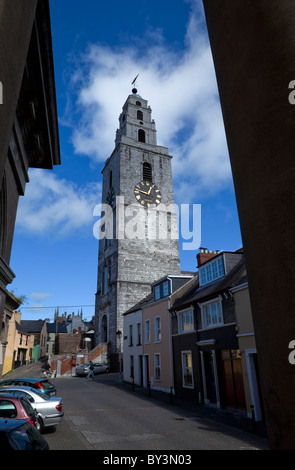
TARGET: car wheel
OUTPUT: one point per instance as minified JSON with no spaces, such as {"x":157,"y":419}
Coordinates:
{"x":107,"y":370}
{"x":40,"y":425}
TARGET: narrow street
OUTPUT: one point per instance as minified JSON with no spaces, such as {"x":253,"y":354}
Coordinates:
{"x":102,"y":414}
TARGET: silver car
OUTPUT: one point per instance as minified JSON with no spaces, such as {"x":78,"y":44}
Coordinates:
{"x":49,"y":409}
{"x":98,"y":369}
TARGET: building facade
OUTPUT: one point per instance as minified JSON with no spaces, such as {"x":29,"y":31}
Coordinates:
{"x":147,"y":348}
{"x":207,"y":359}
{"x":20,"y":344}
{"x":29,"y":136}
{"x":138,"y":228}
{"x":247,"y":347}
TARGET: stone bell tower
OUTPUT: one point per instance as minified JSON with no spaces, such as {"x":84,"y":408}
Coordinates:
{"x":138,"y":226}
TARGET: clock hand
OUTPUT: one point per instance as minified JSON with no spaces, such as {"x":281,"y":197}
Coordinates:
{"x":151,"y":189}
{"x":140,"y":191}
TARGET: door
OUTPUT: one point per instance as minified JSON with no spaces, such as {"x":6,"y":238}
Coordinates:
{"x":210,"y":377}
{"x":232,"y":379}
{"x":146,"y":371}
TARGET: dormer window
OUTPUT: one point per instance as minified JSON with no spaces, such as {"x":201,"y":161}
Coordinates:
{"x":211,"y":271}
{"x":162,"y":290}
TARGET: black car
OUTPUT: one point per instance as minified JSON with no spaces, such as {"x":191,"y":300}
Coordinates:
{"x":19,"y":434}
{"x":43,"y":385}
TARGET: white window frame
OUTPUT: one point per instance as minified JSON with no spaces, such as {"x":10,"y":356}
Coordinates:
{"x":211,"y":271}
{"x":157,"y":366}
{"x":184,"y":368}
{"x":181,"y":315}
{"x":204,"y":306}
{"x":147,"y":331}
{"x":158,"y":335}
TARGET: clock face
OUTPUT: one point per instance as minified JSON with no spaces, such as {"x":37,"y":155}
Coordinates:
{"x":110,"y":200}
{"x":147,"y":194}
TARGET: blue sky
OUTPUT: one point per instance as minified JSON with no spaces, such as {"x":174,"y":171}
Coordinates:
{"x":99,"y":47}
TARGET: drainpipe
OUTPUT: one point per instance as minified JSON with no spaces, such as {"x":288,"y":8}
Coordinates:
{"x":170,"y":348}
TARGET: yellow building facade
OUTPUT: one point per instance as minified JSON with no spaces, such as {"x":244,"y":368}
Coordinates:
{"x":19,"y":348}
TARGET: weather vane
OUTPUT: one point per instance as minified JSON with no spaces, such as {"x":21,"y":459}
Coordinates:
{"x":134,"y":83}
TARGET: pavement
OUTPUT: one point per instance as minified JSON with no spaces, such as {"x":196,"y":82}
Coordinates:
{"x":225,"y":417}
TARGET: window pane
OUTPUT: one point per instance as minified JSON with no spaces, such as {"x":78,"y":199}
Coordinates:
{"x":157,"y":292}
{"x":166,"y":288}
{"x":147,"y":331}
{"x":187,"y":370}
{"x":212,"y":314}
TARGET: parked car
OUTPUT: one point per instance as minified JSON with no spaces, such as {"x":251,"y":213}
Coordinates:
{"x":44,"y":386}
{"x":19,"y":434}
{"x":17,"y":407}
{"x":49,"y":409}
{"x":98,"y":369}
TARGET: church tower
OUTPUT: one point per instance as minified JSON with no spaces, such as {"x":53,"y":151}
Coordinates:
{"x":138,"y":235}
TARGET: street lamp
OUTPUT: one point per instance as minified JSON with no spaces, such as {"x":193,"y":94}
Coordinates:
{"x":119,"y":334}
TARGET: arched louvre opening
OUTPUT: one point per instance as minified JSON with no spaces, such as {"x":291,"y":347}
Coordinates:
{"x":147,"y":172}
{"x":141,"y":136}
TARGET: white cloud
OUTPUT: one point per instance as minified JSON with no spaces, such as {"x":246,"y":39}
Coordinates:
{"x":40,"y":295}
{"x":57,"y":206}
{"x":182,"y":92}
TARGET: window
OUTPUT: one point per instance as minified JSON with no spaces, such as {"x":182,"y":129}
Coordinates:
{"x":211,"y":271}
{"x":130,"y":335}
{"x":141,"y":136}
{"x":138,"y":333}
{"x":147,"y":331}
{"x":186,"y":321}
{"x":212,"y":314}
{"x":158,"y":336}
{"x":7,"y":409}
{"x":187,"y":369}
{"x":108,"y":235}
{"x":157,"y":292}
{"x":138,"y":103}
{"x":105,"y":280}
{"x":147,"y":171}
{"x":162,"y":290}
{"x":140,"y":115}
{"x":157,"y":367}
{"x":165,"y":288}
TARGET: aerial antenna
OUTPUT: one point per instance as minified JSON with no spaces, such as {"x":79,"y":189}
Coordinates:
{"x":134,"y":90}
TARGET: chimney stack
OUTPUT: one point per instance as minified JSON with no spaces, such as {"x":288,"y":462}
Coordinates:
{"x":205,"y":255}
